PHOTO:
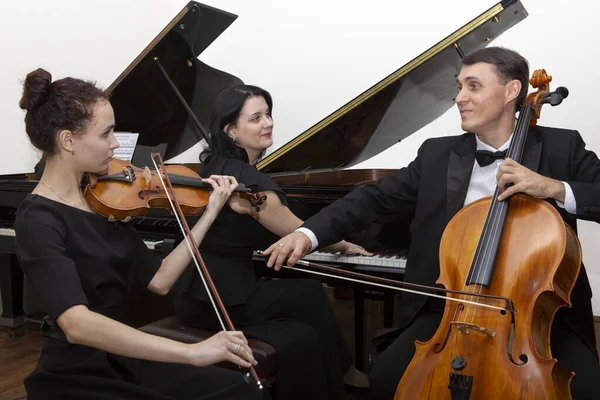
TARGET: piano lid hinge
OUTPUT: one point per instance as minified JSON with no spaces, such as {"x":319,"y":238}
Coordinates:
{"x":461,"y":54}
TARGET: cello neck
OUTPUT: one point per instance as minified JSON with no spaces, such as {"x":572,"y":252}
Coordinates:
{"x":517,"y":144}
{"x":484,"y":259}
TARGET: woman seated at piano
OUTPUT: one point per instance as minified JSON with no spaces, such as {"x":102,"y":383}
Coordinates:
{"x":293,"y":315}
{"x":82,"y":267}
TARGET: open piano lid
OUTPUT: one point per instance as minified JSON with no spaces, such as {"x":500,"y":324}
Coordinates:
{"x":143,"y":98}
{"x":394,"y":108}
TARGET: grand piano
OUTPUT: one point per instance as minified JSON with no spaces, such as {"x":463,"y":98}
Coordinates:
{"x":165,"y":96}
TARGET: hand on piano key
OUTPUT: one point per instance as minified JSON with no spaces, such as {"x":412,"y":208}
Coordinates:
{"x":347,"y":248}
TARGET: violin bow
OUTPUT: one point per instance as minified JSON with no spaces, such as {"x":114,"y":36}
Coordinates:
{"x":213,"y":294}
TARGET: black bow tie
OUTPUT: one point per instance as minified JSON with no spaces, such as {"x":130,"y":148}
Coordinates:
{"x":485,"y":158}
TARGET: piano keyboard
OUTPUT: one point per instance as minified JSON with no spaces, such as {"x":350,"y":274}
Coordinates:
{"x":376,"y":260}
{"x":374,"y":263}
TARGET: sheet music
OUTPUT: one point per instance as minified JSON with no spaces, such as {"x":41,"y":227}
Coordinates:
{"x":127,"y":142}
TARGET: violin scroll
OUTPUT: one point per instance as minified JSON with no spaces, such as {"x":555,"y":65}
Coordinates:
{"x":255,"y":199}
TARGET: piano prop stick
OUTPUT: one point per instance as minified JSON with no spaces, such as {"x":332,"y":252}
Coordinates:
{"x":126,"y":191}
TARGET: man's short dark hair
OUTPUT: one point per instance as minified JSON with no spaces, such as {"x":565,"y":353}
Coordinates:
{"x":508,"y":64}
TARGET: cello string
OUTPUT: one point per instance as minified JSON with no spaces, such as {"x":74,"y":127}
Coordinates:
{"x":493,"y":221}
{"x":490,"y":231}
{"x":481,"y":254}
{"x":496,"y":206}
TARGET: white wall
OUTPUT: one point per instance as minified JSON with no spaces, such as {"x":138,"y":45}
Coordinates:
{"x":313,"y":56}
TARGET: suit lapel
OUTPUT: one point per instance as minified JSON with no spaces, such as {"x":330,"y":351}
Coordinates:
{"x":460,"y":167}
{"x":532,"y":150}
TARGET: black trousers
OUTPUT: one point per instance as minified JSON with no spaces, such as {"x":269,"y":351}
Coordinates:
{"x":296,"y":318}
{"x":567,"y":346}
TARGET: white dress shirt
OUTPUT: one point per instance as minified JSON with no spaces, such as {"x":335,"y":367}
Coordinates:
{"x":482,"y":184}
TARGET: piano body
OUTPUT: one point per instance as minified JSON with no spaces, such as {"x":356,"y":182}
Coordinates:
{"x":165,"y":95}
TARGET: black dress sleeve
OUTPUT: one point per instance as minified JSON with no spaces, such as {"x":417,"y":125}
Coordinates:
{"x":40,"y":242}
{"x":260,"y":182}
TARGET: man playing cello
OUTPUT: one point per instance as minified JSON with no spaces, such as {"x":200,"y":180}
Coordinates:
{"x":452,"y":172}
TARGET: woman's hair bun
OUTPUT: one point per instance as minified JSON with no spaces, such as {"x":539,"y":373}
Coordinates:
{"x":35,"y":89}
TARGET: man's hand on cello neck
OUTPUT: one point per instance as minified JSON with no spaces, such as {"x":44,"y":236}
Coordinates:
{"x":524,"y":180}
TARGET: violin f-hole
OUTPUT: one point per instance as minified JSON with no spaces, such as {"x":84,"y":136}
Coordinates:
{"x":141,"y":193}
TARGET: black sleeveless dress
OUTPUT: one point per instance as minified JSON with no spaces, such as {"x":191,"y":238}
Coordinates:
{"x":293,"y":315}
{"x":74,"y":257}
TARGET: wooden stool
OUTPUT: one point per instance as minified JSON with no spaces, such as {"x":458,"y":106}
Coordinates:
{"x":174,"y":329}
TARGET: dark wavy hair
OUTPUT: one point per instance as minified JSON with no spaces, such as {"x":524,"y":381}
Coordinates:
{"x":508,"y":64}
{"x":226,"y":110}
{"x":65,"y":104}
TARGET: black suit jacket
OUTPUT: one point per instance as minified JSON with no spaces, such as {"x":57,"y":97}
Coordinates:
{"x":432,"y":190}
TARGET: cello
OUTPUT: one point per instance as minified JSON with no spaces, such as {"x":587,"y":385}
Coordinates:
{"x":520,"y":249}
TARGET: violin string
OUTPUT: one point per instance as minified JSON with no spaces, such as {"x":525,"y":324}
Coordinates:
{"x":189,"y":245}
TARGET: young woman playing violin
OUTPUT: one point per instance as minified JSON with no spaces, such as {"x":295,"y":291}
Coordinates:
{"x":293,"y":315}
{"x":82,"y":267}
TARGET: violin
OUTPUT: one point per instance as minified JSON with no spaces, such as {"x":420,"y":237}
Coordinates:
{"x":126,"y":191}
{"x":520,"y":249}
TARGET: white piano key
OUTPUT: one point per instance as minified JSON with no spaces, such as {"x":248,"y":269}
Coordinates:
{"x":151,"y":244}
{"x":7,"y":232}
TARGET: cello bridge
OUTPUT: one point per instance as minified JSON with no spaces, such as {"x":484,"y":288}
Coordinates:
{"x":466,"y":328}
